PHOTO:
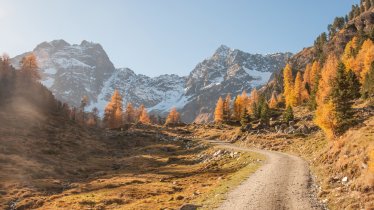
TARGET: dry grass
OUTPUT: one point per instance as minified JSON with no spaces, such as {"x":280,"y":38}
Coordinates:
{"x":331,"y":161}
{"x":49,"y":164}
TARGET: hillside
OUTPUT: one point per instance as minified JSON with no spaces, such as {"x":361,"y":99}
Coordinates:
{"x":51,"y":159}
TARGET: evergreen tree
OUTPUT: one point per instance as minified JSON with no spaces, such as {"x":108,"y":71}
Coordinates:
{"x":265,"y":114}
{"x":353,"y":85}
{"x":368,"y":85}
{"x":255,"y":111}
{"x":245,"y":118}
{"x":288,"y":114}
{"x":342,"y":99}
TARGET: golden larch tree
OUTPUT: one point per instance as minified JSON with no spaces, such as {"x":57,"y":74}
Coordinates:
{"x":227,"y":108}
{"x":314,"y":74}
{"x":218,"y":112}
{"x":173,"y":118}
{"x":144,"y":118}
{"x":113,"y":111}
{"x":288,"y":86}
{"x":306,"y":78}
{"x":273,"y":102}
{"x":348,"y":57}
{"x":300,"y":92}
{"x":130,"y":114}
{"x":30,"y":68}
{"x":324,"y":116}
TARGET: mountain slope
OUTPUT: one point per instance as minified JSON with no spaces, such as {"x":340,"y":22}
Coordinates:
{"x":73,"y":71}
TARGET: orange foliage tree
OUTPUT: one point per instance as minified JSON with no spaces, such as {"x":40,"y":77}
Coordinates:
{"x":325,"y":117}
{"x":144,"y":118}
{"x":300,"y":93}
{"x":273,"y":103}
{"x":227,"y":108}
{"x":288,"y":86}
{"x":173,"y":117}
{"x":239,"y":105}
{"x":218,"y":112}
{"x":30,"y":68}
{"x":113,"y":111}
{"x":130,"y":114}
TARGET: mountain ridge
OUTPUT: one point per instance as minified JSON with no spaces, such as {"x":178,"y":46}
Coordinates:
{"x":72,"y":71}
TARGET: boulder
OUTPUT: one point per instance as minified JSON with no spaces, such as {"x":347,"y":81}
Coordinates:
{"x":188,"y":207}
{"x":304,"y":129}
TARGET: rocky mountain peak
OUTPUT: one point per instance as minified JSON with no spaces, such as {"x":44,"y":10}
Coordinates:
{"x":73,"y":71}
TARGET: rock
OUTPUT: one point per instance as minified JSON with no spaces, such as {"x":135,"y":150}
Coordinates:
{"x":188,"y":207}
{"x":304,"y":129}
{"x":364,"y":166}
{"x":218,"y":153}
{"x":179,"y":197}
{"x":345,"y":180}
{"x":289,"y":130}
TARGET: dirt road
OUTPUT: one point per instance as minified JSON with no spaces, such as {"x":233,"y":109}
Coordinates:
{"x":283,"y":182}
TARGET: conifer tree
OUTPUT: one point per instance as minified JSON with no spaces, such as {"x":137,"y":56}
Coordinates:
{"x":255,"y":111}
{"x":314,"y":75}
{"x":245,"y":118}
{"x":218,"y":113}
{"x":118,"y":117}
{"x":30,"y":68}
{"x":254,"y":95}
{"x":265,"y":114}
{"x":173,"y":117}
{"x":342,"y":99}
{"x":273,"y":101}
{"x":113,"y":111}
{"x":306,"y":78}
{"x":130,"y":114}
{"x":298,"y":89}
{"x":354,"y":85}
{"x":144,"y":118}
{"x":288,"y":114}
{"x":368,"y":85}
{"x":325,"y":111}
{"x":227,"y":108}
{"x":288,"y":85}
{"x":139,"y":112}
{"x":239,"y":104}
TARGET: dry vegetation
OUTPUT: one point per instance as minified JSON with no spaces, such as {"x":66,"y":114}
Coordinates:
{"x":330,"y":160}
{"x":50,"y":163}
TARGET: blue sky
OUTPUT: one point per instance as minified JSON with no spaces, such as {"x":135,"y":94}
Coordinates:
{"x":155,"y":37}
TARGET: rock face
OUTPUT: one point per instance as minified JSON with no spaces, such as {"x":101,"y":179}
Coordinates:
{"x":73,"y":71}
{"x":227,"y":71}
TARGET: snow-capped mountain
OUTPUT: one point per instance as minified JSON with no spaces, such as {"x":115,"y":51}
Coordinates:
{"x":227,"y":71}
{"x":73,"y":71}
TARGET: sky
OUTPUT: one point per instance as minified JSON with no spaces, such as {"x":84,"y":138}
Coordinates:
{"x":154,"y":37}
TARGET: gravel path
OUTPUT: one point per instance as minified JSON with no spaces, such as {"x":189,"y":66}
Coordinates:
{"x":283,"y":182}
